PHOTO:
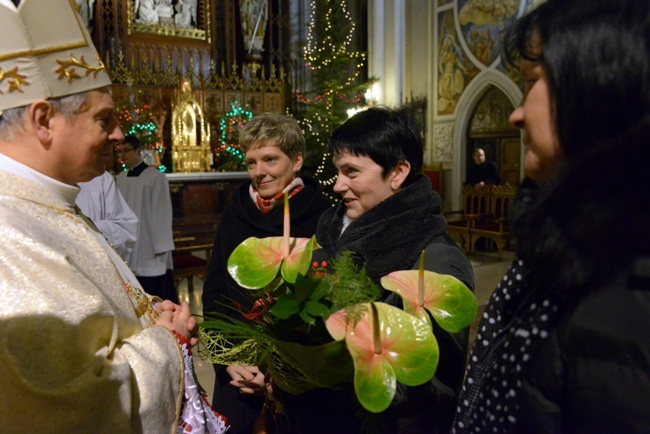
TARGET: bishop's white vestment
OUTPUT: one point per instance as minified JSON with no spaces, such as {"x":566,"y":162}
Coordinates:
{"x":77,"y":350}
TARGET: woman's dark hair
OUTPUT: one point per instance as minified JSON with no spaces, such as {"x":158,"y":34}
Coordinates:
{"x":596,"y":55}
{"x":387,"y":136}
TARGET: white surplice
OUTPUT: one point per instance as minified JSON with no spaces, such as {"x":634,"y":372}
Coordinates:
{"x":102,"y":202}
{"x":148,"y":196}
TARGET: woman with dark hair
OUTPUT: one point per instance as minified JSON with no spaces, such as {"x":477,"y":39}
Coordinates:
{"x":388,"y":215}
{"x":274,"y":147}
{"x":564,"y":344}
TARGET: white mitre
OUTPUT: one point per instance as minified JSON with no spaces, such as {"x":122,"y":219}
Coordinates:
{"x":45,"y":52}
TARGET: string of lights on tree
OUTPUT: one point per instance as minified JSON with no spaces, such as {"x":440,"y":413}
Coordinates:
{"x":229,"y":155}
{"x":335,"y":81}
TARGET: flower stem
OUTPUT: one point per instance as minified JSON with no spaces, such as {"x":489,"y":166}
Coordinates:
{"x":421,"y":280}
{"x":376,"y":338}
{"x":287,"y":226}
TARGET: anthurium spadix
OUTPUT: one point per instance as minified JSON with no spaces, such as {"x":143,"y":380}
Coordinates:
{"x":449,"y":301}
{"x":387,"y":345}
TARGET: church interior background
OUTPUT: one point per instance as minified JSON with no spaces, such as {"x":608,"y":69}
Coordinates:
{"x":188,"y":73}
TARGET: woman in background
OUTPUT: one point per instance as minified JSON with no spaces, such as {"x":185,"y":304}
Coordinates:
{"x":564,"y":344}
{"x":274,"y":147}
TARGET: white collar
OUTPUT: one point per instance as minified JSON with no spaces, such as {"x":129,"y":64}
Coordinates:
{"x":346,"y":222}
{"x":64,"y":192}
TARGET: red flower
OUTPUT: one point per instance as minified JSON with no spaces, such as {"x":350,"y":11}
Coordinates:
{"x":258,"y":310}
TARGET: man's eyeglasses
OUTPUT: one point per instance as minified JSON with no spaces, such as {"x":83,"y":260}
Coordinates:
{"x":124,"y":150}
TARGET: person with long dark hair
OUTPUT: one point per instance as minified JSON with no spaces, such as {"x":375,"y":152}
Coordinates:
{"x":564,"y":344}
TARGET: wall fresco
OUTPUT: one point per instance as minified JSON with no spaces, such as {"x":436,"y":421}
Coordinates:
{"x":482,"y":24}
{"x":455,"y":70}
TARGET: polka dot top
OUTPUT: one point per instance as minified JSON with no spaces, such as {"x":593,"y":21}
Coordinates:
{"x":514,"y":321}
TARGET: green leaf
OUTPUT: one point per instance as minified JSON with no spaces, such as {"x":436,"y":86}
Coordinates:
{"x":314,"y":308}
{"x":304,"y":315}
{"x":322,"y":289}
{"x":255,"y":262}
{"x":285,"y":306}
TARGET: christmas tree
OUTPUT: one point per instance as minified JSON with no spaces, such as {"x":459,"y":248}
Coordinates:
{"x":337,"y":84}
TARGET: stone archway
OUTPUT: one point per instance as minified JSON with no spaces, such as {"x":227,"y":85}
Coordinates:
{"x":490,"y":130}
{"x":472,"y":95}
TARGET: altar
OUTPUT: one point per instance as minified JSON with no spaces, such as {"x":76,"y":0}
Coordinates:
{"x":183,"y":82}
{"x":198,"y":200}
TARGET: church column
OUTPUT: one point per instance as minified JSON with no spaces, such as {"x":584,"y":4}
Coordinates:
{"x":386,"y":49}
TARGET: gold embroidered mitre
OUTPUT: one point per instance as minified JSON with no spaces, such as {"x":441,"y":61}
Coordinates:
{"x":45,"y":52}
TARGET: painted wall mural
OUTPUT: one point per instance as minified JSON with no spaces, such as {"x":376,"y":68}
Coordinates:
{"x":482,"y":23}
{"x":469,"y":40}
{"x":455,"y":69}
{"x":492,"y":113}
{"x":486,"y":12}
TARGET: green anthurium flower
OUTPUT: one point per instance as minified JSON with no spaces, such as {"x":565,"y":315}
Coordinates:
{"x":255,"y":262}
{"x":387,"y":345}
{"x":448,"y":300}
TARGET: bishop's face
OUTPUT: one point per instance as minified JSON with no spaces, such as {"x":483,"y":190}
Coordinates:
{"x":84,"y":141}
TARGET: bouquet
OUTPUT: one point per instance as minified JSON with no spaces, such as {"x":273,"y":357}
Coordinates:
{"x":321,"y":330}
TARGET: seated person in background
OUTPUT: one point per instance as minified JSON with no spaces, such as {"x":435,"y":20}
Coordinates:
{"x":101,"y":201}
{"x":274,"y":147}
{"x":387,"y":216}
{"x":483,"y":172}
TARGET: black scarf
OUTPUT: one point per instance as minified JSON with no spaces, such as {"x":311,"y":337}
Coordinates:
{"x":391,"y":235}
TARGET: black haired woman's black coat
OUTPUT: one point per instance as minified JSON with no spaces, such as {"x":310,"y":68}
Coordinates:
{"x":564,"y":345}
{"x":386,"y":238}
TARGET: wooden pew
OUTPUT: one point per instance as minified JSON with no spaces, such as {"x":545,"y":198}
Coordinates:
{"x":187,"y":264}
{"x":475,"y":204}
{"x":494,"y":224}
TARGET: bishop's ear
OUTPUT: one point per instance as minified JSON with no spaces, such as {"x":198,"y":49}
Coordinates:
{"x":40,"y":116}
